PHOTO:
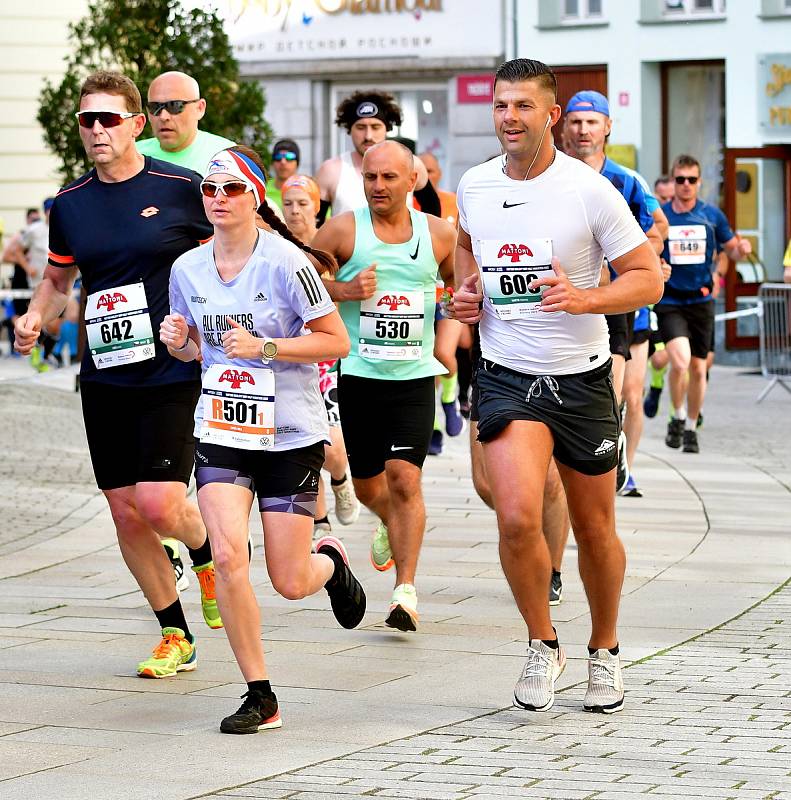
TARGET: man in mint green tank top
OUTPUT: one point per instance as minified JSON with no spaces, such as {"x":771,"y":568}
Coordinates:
{"x":385,"y":288}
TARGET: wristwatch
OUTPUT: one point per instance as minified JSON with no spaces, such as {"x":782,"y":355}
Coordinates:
{"x":268,"y":350}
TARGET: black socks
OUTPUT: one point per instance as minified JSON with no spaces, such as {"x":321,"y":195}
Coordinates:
{"x":173,"y":617}
{"x":202,"y":555}
{"x":613,"y":651}
{"x":262,"y":687}
{"x":333,"y":482}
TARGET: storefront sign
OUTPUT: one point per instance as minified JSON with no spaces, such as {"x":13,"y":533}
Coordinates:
{"x":774,"y":95}
{"x":278,"y":30}
{"x":475,"y":88}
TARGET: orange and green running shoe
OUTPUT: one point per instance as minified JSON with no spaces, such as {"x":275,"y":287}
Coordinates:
{"x":173,"y":654}
{"x":208,"y":598}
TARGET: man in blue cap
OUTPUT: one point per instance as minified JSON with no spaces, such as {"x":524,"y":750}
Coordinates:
{"x":585,"y":129}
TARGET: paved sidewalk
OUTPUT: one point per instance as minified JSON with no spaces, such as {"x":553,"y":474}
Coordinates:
{"x":382,"y":714}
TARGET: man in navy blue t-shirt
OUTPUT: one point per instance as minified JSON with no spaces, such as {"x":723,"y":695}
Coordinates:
{"x":686,"y":312}
{"x":121,"y":226}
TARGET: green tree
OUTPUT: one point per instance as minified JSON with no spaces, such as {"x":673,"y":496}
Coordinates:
{"x":143,"y":38}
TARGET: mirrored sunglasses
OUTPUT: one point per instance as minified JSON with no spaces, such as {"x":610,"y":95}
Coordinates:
{"x":229,"y":189}
{"x":171,"y":106}
{"x":284,"y":155}
{"x":107,"y":119}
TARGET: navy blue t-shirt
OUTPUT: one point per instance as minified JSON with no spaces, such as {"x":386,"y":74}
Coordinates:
{"x":130,"y":232}
{"x":693,"y":242}
{"x":631,"y":190}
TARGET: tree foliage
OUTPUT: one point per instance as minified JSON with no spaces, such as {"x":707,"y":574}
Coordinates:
{"x":143,"y":38}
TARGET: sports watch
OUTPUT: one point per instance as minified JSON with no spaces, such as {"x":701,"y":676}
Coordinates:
{"x":268,"y":350}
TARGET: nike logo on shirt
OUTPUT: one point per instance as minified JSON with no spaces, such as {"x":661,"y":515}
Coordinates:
{"x":394,"y":448}
{"x":506,"y":204}
{"x":413,"y":257}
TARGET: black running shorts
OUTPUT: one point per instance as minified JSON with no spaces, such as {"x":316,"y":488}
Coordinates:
{"x":290,"y":476}
{"x":640,"y":337}
{"x":138,"y":434}
{"x":580,"y":411}
{"x":620,"y":328}
{"x":383,"y":420}
{"x":694,"y":321}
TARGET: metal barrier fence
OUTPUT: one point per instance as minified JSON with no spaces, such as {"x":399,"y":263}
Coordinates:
{"x":775,"y":335}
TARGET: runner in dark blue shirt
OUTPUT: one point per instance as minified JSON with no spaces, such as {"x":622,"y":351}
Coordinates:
{"x":123,"y":233}
{"x":686,"y":312}
{"x":122,"y":225}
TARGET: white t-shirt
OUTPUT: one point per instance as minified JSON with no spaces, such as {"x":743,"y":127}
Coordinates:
{"x":35,"y":242}
{"x":276,"y":293}
{"x":585,"y":218}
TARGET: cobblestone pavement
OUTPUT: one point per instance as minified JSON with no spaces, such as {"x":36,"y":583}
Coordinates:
{"x":45,"y":471}
{"x":708,"y":718}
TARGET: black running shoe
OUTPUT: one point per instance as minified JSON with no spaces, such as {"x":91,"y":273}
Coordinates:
{"x":675,"y":432}
{"x":555,"y":589}
{"x":258,"y":712}
{"x":347,"y":596}
{"x":691,"y":442}
{"x":651,"y":402}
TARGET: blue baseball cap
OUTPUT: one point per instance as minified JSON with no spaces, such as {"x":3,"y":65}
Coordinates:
{"x":589,"y":100}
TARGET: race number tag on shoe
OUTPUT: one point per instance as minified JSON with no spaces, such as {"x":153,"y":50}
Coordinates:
{"x":687,"y":244}
{"x":118,"y":326}
{"x":391,"y":326}
{"x":508,"y":269}
{"x":239,"y":407}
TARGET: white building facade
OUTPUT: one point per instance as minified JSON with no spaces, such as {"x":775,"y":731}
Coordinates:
{"x":689,"y":76}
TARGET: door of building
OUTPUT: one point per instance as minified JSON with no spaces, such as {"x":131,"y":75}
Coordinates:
{"x":757,"y":202}
{"x":572,"y":80}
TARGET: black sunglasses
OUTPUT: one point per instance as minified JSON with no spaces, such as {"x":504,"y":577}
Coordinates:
{"x":171,"y":106}
{"x":690,"y":179}
{"x":107,"y":119}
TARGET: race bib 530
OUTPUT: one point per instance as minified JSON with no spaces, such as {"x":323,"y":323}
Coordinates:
{"x":391,"y":326}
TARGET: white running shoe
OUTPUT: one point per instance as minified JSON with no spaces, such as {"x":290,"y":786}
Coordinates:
{"x":347,"y":506}
{"x":605,"y":683}
{"x":535,"y":689}
{"x":403,"y":608}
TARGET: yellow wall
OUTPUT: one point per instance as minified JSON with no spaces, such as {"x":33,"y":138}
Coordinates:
{"x":33,"y":45}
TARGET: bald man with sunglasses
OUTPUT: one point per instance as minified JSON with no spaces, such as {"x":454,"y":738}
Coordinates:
{"x":175,"y":108}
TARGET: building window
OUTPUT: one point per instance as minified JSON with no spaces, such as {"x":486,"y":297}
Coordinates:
{"x":677,"y":8}
{"x":575,"y":10}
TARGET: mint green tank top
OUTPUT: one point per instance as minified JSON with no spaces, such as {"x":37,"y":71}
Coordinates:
{"x":392,"y":333}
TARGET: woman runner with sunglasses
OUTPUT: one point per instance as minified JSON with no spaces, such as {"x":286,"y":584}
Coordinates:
{"x":244,"y":302}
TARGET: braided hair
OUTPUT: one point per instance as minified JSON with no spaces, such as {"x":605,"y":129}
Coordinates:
{"x":323,"y":261}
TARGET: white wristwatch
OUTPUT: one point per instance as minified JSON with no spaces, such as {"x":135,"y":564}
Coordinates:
{"x":268,"y":350}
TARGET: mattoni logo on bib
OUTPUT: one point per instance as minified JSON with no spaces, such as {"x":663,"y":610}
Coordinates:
{"x":237,"y":378}
{"x":687,"y":232}
{"x":393,"y":302}
{"x":515,"y":252}
{"x":108,"y":301}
